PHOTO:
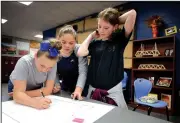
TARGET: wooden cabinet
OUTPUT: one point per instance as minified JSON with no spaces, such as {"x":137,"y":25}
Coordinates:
{"x":91,"y":24}
{"x":7,"y":66}
{"x":145,"y":57}
{"x":82,"y":36}
{"x":128,"y":55}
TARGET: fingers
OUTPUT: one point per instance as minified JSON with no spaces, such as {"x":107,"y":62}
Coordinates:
{"x":72,"y":95}
{"x":48,"y":100}
{"x":46,"y":103}
{"x":42,"y":103}
{"x":45,"y":106}
{"x":56,"y":89}
{"x":10,"y":94}
{"x":97,"y":32}
{"x":76,"y":96}
{"x":80,"y":98}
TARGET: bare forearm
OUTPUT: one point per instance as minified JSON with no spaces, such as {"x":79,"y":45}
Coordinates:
{"x":129,"y":19}
{"x":125,"y":16}
{"x":83,"y":49}
{"x":23,"y":98}
{"x":37,"y":93}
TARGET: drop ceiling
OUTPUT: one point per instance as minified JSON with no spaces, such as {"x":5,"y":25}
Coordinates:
{"x":27,"y":21}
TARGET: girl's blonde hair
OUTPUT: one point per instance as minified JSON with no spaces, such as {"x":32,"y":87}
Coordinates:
{"x":68,"y":29}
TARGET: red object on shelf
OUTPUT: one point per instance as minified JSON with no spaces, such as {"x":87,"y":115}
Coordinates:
{"x":154,"y":30}
{"x":23,"y":52}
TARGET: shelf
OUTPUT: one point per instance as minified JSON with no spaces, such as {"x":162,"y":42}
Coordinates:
{"x":12,"y":55}
{"x":158,"y":57}
{"x":166,"y":70}
{"x":162,"y":39}
{"x":162,"y":43}
{"x":159,"y":87}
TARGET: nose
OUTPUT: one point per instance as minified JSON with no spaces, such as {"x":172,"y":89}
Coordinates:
{"x":101,"y":31}
{"x":45,"y":69}
{"x":67,"y":45}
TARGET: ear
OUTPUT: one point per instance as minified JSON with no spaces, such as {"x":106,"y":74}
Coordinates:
{"x":35,"y":55}
{"x":116,"y":27}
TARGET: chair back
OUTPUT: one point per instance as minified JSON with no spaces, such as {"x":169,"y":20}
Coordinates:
{"x":142,"y":87}
{"x":124,"y":81}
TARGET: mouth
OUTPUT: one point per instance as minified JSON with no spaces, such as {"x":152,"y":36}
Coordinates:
{"x":66,"y":49}
{"x":102,"y":34}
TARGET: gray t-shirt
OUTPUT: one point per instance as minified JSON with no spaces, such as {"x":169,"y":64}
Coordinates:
{"x":25,"y":69}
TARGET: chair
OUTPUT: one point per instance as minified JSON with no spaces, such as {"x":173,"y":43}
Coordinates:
{"x":124,"y":81}
{"x":124,"y":87}
{"x":142,"y":87}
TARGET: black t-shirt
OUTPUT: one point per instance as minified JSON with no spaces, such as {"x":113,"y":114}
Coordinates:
{"x":68,"y":71}
{"x":106,"y":66}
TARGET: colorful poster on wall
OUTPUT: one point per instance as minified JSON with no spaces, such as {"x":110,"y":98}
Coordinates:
{"x":22,"y":47}
{"x":8,"y":48}
{"x":34,"y":44}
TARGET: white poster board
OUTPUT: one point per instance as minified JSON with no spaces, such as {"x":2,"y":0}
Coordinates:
{"x":63,"y":110}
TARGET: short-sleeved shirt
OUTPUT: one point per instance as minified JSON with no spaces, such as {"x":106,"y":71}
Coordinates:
{"x":72,"y":70}
{"x":106,"y":66}
{"x":26,"y":69}
{"x":67,"y":69}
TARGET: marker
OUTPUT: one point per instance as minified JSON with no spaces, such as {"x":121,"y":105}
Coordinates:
{"x":42,"y":93}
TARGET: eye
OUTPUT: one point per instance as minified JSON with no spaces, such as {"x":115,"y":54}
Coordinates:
{"x":42,"y":66}
{"x":71,"y":43}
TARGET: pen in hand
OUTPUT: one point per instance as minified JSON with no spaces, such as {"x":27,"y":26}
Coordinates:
{"x":42,"y":93}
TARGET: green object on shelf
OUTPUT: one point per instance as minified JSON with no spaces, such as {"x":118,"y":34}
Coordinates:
{"x":148,"y":99}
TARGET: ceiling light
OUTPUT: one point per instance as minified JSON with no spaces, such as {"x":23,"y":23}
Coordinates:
{"x":26,"y":3}
{"x":38,"y":36}
{"x":3,"y":21}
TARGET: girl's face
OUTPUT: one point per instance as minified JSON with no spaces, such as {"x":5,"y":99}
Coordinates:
{"x":44,"y":64}
{"x":68,"y":43}
{"x":105,"y":29}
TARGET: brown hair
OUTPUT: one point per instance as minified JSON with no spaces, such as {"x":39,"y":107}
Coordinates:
{"x":110,"y":15}
{"x":68,"y":29}
{"x":54,"y":44}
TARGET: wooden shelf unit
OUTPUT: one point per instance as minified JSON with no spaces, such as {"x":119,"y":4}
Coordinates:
{"x":163,"y":43}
